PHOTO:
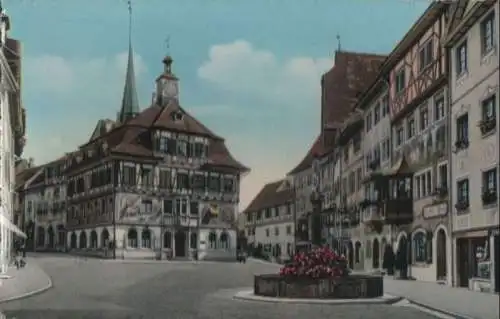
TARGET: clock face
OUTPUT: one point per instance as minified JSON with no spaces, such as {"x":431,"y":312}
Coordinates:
{"x":170,"y":89}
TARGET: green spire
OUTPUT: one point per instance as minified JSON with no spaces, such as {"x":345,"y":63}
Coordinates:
{"x":130,"y":102}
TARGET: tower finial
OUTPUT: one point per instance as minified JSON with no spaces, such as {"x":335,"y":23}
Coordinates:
{"x":167,"y":61}
{"x":130,"y":103}
{"x":338,"y":42}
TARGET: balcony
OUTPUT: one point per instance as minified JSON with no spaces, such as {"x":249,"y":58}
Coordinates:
{"x":373,"y":218}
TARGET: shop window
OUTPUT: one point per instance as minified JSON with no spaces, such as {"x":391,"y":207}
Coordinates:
{"x":419,"y":247}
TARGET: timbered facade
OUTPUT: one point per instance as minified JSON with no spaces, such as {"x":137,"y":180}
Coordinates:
{"x":419,"y":115}
{"x":155,"y":183}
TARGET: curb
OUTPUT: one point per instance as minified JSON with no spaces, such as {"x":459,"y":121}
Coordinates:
{"x":444,"y":312}
{"x":248,"y":295}
{"x":29,"y":294}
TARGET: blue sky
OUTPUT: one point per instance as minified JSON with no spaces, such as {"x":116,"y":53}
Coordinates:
{"x":249,"y":70}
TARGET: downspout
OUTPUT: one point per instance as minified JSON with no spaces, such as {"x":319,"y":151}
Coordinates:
{"x":449,"y":102}
{"x":114,"y":181}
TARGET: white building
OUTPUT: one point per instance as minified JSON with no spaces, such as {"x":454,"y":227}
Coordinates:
{"x":269,"y":220}
{"x":474,"y":82}
{"x":8,"y":85}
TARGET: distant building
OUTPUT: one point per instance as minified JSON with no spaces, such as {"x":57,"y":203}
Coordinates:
{"x":269,"y":220}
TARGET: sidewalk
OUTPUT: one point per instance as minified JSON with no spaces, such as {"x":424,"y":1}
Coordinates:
{"x":455,"y":301}
{"x":24,"y":282}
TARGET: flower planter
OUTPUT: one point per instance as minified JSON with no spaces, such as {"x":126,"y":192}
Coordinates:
{"x":345,"y":287}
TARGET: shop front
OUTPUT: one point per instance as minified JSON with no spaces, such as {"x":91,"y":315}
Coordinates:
{"x":478,"y":260}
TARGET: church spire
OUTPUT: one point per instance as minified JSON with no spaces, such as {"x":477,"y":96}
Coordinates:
{"x":130,"y":102}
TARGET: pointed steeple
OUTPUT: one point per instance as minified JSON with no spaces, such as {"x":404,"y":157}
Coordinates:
{"x":130,"y":102}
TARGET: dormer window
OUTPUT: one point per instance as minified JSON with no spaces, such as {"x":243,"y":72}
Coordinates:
{"x":177,"y":116}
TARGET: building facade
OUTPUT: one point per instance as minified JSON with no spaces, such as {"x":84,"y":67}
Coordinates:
{"x":269,"y":223}
{"x":420,"y":130}
{"x":44,"y":200}
{"x":376,"y":148}
{"x":11,"y":127}
{"x":157,"y":183}
{"x":350,"y":159}
{"x":474,"y":82}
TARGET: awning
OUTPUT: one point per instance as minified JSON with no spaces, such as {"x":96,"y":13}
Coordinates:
{"x":4,"y":221}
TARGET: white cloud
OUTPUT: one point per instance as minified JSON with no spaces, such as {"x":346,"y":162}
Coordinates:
{"x":241,"y":68}
{"x":75,"y":92}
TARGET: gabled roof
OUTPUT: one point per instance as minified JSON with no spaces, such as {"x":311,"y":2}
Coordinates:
{"x":23,"y":177}
{"x":351,"y":75}
{"x":271,"y":195}
{"x":315,"y":150}
{"x":103,"y":126}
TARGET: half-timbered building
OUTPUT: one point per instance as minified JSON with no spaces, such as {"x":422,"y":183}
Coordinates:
{"x":472,"y":39}
{"x":156,"y":182}
{"x":44,"y":199}
{"x":412,"y":194}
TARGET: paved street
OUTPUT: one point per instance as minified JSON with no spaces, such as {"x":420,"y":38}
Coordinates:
{"x":97,"y":289}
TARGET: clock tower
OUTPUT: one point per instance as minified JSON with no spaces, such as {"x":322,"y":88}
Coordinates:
{"x":167,"y":84}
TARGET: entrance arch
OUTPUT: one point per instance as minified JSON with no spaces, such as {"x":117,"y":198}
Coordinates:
{"x":61,"y":236}
{"x":224,"y":240}
{"x":93,"y":239}
{"x":357,"y":252}
{"x":212,"y":240}
{"x":376,"y":254}
{"x":40,"y":241}
{"x":167,"y":240}
{"x":104,"y":238}
{"x":146,"y":238}
{"x":402,"y":256}
{"x":132,"y":238}
{"x":73,"y":241}
{"x":180,"y":243}
{"x":441,"y":267}
{"x":51,"y":235}
{"x":83,"y":240}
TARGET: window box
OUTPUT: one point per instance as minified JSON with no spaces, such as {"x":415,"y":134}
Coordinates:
{"x":487,"y":125}
{"x":461,"y":144}
{"x":462,"y":205}
{"x":441,"y":192}
{"x":489,"y":196}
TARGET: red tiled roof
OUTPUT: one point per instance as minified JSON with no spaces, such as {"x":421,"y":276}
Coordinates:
{"x":315,"y":151}
{"x":134,"y":136}
{"x":351,"y":75}
{"x":269,"y":196}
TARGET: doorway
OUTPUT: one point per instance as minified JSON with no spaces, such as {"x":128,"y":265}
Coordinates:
{"x":376,"y":254}
{"x":180,"y":243}
{"x":350,"y":254}
{"x":496,"y":249}
{"x":441,"y":269}
{"x":463,"y":267}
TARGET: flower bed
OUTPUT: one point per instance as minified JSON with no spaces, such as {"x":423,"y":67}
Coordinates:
{"x":319,"y":273}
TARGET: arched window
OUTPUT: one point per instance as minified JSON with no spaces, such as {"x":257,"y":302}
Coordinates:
{"x":224,"y":240}
{"x":73,"y":241}
{"x":132,"y":238}
{"x":146,"y":238}
{"x":357,"y":252}
{"x":419,"y":247}
{"x":212,"y":240}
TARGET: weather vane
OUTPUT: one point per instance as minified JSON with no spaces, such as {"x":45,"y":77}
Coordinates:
{"x":129,"y":4}
{"x":167,"y":45}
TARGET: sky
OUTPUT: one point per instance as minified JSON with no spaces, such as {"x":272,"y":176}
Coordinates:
{"x":249,"y":70}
